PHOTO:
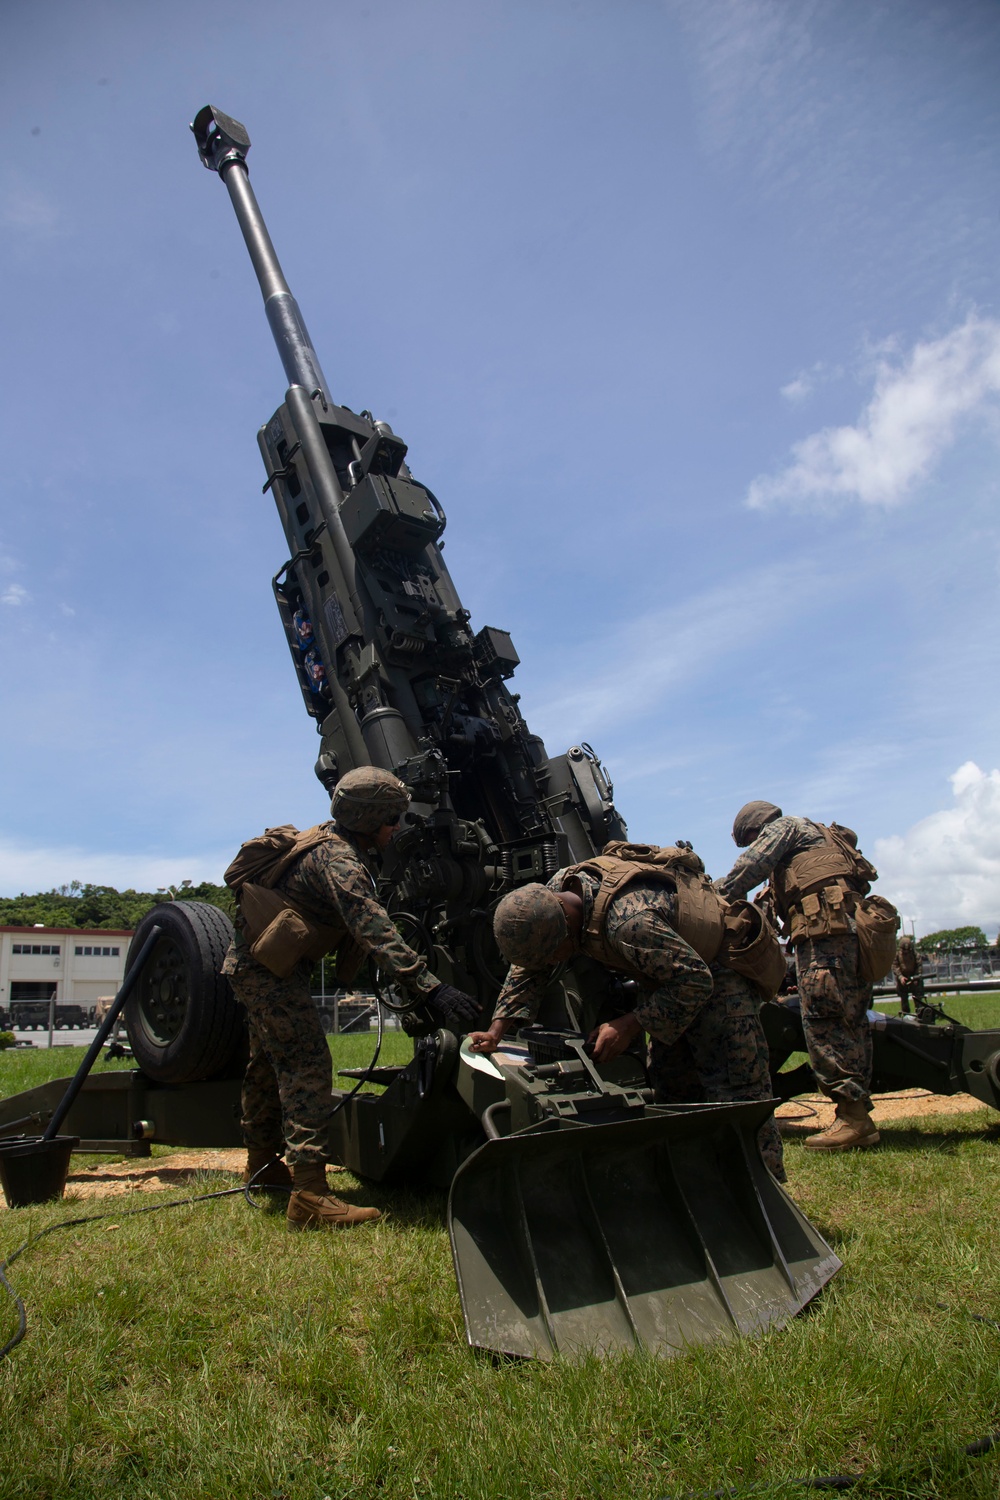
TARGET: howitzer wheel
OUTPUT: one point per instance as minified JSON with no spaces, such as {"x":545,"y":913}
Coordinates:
{"x":182,"y":1019}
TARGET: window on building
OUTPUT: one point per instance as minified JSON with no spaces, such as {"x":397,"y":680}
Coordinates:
{"x":35,"y":948}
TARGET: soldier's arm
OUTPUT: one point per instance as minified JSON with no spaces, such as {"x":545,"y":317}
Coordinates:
{"x":371,"y":927}
{"x":519,"y":1000}
{"x":757,"y":862}
{"x":677,"y":981}
{"x":522,"y":993}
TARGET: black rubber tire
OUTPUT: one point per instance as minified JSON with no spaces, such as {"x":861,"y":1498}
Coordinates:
{"x":182,"y":1019}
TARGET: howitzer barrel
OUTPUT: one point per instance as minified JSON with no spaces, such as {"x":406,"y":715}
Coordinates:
{"x":223,"y":144}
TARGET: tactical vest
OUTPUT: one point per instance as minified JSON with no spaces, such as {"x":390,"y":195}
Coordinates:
{"x":816,"y":890}
{"x":907,"y":962}
{"x":699,"y":913}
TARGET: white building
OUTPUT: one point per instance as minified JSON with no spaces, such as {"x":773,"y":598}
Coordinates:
{"x":78,"y":964}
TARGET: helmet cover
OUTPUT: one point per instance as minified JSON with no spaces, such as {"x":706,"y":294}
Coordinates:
{"x":530,"y":925}
{"x":367,"y":798}
{"x":750,"y":819}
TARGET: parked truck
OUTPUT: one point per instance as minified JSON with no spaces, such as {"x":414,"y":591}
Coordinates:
{"x":33,"y":1015}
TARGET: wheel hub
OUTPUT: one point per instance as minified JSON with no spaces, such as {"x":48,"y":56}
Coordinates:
{"x":163,"y":993}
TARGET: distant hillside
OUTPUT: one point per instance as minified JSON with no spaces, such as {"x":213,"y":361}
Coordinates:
{"x":77,"y":905}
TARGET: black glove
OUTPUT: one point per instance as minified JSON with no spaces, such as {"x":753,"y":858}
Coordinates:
{"x":451,"y":1005}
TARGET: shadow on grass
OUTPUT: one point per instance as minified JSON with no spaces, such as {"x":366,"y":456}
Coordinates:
{"x":912,"y":1138}
{"x":404,"y":1206}
{"x":399,"y":1206}
{"x":899,"y":1136}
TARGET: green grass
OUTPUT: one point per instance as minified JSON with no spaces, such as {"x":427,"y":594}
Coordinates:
{"x":205,"y":1352}
{"x":26,"y":1069}
{"x":978,"y":1009}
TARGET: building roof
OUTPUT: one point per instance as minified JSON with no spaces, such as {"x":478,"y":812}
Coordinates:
{"x":90,"y":932}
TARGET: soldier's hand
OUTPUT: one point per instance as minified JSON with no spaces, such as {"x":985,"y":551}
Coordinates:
{"x":483,"y":1042}
{"x":613,"y":1038}
{"x":451,"y":1005}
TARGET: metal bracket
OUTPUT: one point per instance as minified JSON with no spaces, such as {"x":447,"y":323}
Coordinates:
{"x":285,"y":472}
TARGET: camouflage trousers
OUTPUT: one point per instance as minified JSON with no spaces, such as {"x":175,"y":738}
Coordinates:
{"x":721,"y":1058}
{"x":835,"y":1002}
{"x":287,"y":1087}
{"x":909,"y":987}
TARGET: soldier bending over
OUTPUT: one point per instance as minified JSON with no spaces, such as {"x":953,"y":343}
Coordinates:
{"x":707,"y":1040}
{"x":327,"y":889}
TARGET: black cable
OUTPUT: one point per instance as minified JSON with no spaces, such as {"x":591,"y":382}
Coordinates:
{"x":129,"y":1213}
{"x":244,"y":1188}
{"x":829,"y":1481}
{"x":809,"y":1112}
{"x":379,"y":1001}
{"x":848,"y":1481}
{"x":247,"y":1186}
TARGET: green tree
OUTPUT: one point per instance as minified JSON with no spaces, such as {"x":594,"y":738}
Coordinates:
{"x":102,"y":906}
{"x":953,"y":937}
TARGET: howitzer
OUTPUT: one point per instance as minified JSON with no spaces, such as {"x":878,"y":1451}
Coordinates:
{"x":387,"y":661}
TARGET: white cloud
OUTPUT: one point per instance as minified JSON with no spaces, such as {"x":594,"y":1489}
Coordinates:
{"x":754,"y":57}
{"x":26,"y":210}
{"x":914,"y":415}
{"x":945,"y":870}
{"x":43,"y":869}
{"x":619,"y":678}
{"x":805,"y":383}
{"x":622,"y":678}
{"x":798,"y":389}
{"x":15,"y":594}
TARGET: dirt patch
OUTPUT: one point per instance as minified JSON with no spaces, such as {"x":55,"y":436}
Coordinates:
{"x":183,"y":1171}
{"x":813,"y":1112}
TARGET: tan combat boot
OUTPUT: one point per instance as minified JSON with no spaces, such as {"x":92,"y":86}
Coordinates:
{"x":852,"y":1127}
{"x":265,"y":1169}
{"x":313,"y":1206}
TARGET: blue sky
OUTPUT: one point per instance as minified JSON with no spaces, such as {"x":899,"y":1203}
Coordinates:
{"x":690,"y":315}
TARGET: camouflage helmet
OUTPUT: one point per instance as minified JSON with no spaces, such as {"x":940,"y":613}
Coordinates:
{"x":750,"y":819}
{"x":529,"y":925}
{"x":367,"y":798}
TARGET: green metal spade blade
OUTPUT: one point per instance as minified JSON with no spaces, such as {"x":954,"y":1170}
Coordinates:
{"x":661,"y":1233}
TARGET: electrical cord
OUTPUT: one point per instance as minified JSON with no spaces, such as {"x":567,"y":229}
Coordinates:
{"x":810,"y":1113}
{"x":244,"y":1188}
{"x":247,"y":1188}
{"x":847,"y":1481}
{"x":129,"y":1213}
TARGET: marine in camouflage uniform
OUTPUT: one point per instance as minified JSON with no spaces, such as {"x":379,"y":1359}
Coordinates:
{"x":707,"y":1043}
{"x":835,"y":999}
{"x":721,"y":1058}
{"x":287,"y":1097}
{"x":907,"y":969}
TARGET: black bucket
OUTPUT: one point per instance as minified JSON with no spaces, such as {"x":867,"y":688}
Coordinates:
{"x":34,"y":1170}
